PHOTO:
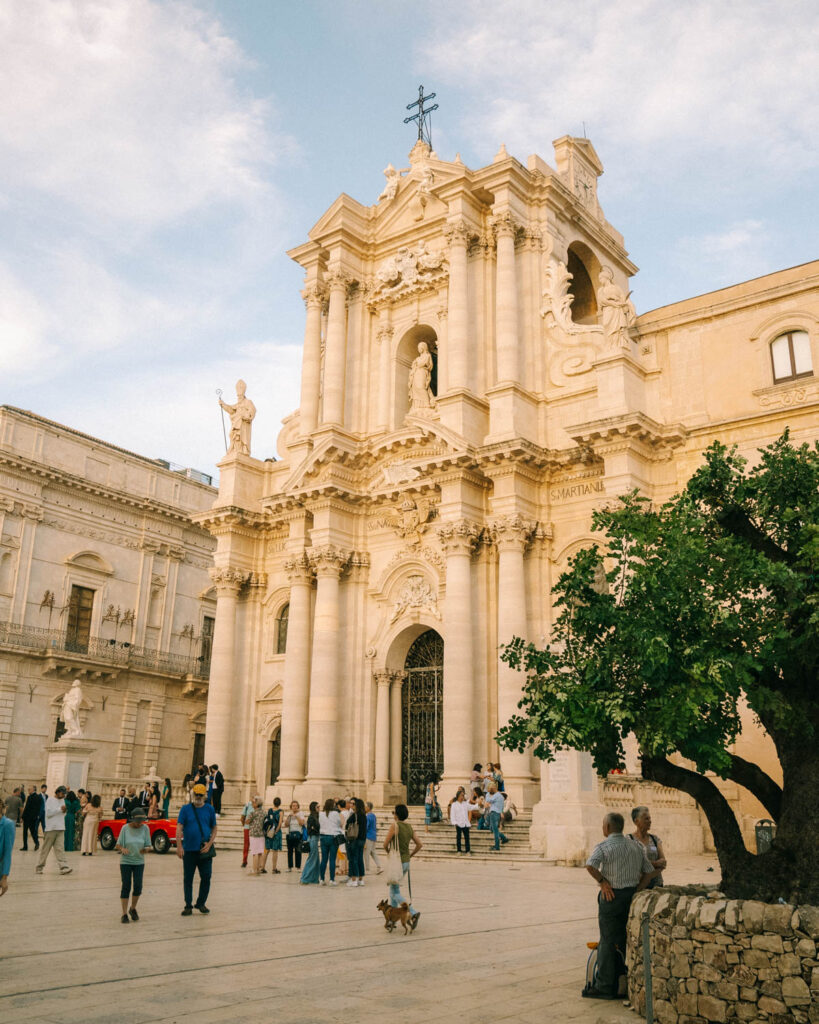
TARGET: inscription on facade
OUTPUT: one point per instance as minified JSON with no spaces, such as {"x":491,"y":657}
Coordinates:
{"x":579,"y":490}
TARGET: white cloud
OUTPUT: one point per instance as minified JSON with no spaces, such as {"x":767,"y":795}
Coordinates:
{"x":728,"y":256}
{"x":684,"y":81}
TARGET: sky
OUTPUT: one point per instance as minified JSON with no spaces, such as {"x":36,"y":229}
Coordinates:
{"x":158,"y":159}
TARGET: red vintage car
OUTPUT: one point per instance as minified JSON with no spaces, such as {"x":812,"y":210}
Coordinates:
{"x":163,"y":833}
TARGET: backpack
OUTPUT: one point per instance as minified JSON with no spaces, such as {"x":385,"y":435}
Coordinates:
{"x":351,"y":828}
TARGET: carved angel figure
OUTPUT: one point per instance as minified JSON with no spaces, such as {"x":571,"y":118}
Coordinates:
{"x":410,"y":520}
{"x":617,"y":311}
{"x":393,"y":177}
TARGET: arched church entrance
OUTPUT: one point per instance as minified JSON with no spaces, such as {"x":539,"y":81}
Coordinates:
{"x":422,"y":714}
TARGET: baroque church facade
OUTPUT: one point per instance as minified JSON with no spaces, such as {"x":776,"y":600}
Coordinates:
{"x":475,"y":382}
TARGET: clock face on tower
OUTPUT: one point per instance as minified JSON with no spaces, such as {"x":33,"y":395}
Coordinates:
{"x":584,"y":187}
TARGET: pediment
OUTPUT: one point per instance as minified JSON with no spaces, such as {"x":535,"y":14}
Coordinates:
{"x":274,"y":693}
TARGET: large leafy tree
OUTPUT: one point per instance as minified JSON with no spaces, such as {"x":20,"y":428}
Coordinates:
{"x":680,"y":614}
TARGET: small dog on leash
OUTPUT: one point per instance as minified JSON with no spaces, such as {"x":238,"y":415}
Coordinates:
{"x":395,"y":915}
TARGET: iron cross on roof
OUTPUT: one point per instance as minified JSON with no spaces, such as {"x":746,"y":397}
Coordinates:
{"x":422,"y":116}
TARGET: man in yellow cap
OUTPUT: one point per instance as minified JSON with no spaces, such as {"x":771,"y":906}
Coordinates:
{"x":195,"y":833}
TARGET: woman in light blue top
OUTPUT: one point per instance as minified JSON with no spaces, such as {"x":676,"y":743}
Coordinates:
{"x":134,"y":840}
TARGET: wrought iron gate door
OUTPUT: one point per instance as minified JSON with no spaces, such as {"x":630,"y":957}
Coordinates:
{"x":423,"y":714}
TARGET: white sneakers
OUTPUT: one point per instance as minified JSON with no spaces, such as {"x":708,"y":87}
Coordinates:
{"x":353,"y":882}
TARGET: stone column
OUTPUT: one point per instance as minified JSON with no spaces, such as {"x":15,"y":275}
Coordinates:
{"x":311,"y":360}
{"x":458,"y":540}
{"x":396,"y":732}
{"x":296,"y":696}
{"x":458,"y":309}
{"x":511,"y":534}
{"x":328,"y":562}
{"x":335,"y":352}
{"x":382,"y":726}
{"x":218,"y":749}
{"x":385,"y":352}
{"x":506,"y":302}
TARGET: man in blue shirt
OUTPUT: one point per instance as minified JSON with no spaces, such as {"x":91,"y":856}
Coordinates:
{"x":495,"y":803}
{"x":195,"y":833}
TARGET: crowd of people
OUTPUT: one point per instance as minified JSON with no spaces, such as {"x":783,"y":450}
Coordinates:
{"x":480,"y":803}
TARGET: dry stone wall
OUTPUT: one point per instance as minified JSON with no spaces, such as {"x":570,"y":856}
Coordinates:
{"x":729,"y":961}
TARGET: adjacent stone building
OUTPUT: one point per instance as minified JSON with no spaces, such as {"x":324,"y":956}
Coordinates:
{"x":475,"y":382}
{"x":103,"y":578}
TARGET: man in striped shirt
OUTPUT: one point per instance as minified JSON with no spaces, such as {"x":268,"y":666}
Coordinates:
{"x":621,"y":868}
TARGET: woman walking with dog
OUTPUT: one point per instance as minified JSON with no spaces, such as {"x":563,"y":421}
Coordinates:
{"x":401,"y":833}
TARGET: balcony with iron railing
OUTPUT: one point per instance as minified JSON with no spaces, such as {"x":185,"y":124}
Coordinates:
{"x":121,"y":654}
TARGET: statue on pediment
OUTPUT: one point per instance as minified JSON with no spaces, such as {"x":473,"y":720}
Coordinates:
{"x":241,"y":416}
{"x":393,"y":177}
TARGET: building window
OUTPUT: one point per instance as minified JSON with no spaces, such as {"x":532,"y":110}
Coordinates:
{"x":80,"y":606}
{"x":790,"y":356}
{"x":206,"y":642}
{"x":281,"y":629}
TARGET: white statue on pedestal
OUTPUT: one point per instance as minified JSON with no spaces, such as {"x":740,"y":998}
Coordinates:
{"x":241,"y":416}
{"x":618,"y":314}
{"x":70,"y":711}
{"x":421,"y":398}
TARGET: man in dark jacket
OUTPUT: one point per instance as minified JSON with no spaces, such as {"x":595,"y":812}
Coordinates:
{"x":120,"y":807}
{"x":218,"y":783}
{"x":32,"y":810}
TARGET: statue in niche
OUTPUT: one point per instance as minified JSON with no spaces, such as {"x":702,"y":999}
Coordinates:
{"x":393,"y":177}
{"x":241,"y":416}
{"x":70,"y":711}
{"x":421,"y":398}
{"x":617,"y":311}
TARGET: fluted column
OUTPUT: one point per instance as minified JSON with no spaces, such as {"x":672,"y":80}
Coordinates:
{"x":311,"y":360}
{"x":296,"y":695}
{"x":336,"y":349}
{"x":458,"y":308}
{"x":458,"y":540}
{"x":396,"y":732}
{"x":506,"y":301}
{"x":323,"y":714}
{"x":383,"y":680}
{"x":511,"y":534}
{"x":218,"y":748}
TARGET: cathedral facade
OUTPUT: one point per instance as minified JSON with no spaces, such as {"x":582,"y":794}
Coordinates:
{"x":475,"y":383}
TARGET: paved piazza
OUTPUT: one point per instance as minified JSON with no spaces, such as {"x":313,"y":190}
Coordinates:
{"x":496,"y":942}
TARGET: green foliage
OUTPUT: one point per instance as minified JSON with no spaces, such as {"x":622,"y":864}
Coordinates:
{"x":707,"y":599}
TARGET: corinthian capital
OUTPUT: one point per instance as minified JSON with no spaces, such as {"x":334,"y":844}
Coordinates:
{"x":512,"y":531}
{"x":314,"y":296}
{"x":336,"y":278}
{"x":299,"y":569}
{"x":226,"y":579}
{"x":328,"y":560}
{"x":457,"y":233}
{"x":504,"y":225}
{"x":458,"y":537}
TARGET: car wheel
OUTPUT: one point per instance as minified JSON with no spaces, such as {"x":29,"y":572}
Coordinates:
{"x":107,"y":840}
{"x":160,"y":841}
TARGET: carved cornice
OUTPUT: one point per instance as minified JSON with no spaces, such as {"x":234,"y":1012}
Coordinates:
{"x":458,"y":537}
{"x":328,"y":560}
{"x":616,"y":433}
{"x":226,"y":579}
{"x":512,"y":532}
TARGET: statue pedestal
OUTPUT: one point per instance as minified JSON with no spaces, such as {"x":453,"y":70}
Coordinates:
{"x":68,"y":763}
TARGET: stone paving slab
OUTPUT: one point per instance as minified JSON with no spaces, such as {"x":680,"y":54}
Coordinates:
{"x":496,"y":943}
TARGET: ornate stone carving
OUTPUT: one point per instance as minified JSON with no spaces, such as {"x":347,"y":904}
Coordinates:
{"x":417,"y":592}
{"x":408,"y":272}
{"x":617,"y":312}
{"x":410,"y":520}
{"x":572,"y":350}
{"x":227,"y":579}
{"x":421,"y":398}
{"x":393,"y":177}
{"x":504,"y":225}
{"x":383,"y":678}
{"x":336,"y":278}
{"x":314,"y":296}
{"x":458,"y":537}
{"x":512,"y":531}
{"x":299,"y":569}
{"x":328,"y":560}
{"x":241,"y":416}
{"x":257,"y":580}
{"x":457,"y":233}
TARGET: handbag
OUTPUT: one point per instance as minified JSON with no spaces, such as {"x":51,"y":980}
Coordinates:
{"x":206,"y":854}
{"x":435,"y":813}
{"x":351,"y":828}
{"x":394,"y":871}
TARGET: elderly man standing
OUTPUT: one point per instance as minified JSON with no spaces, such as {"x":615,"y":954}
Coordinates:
{"x":54,"y":832}
{"x":621,"y":868}
{"x":195,"y":833}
